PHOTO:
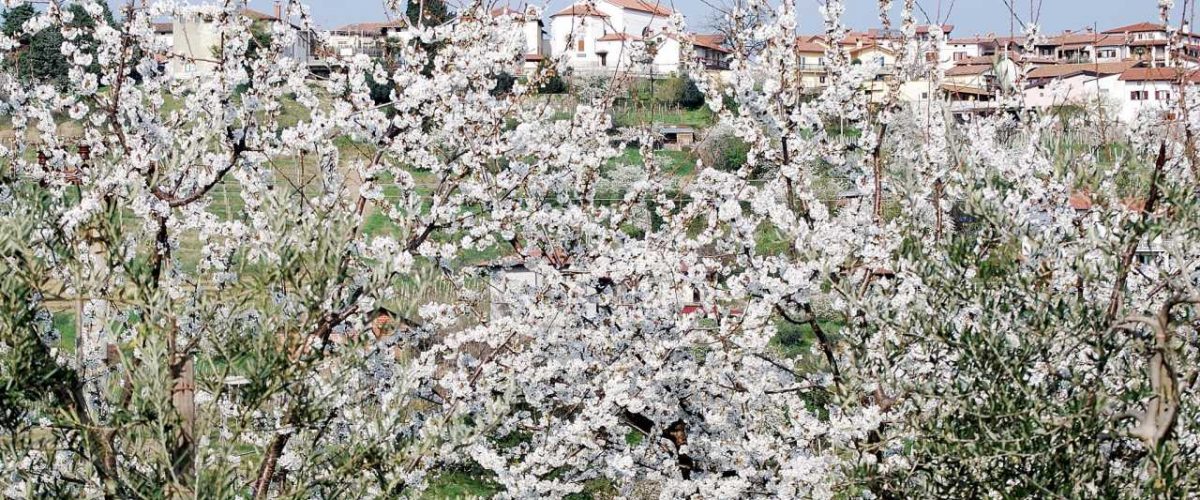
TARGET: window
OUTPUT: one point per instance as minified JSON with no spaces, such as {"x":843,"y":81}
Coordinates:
{"x":822,"y":80}
{"x":1162,"y":95}
{"x":1107,"y":54}
{"x":958,"y":56}
{"x":579,"y":45}
{"x":1139,"y":95}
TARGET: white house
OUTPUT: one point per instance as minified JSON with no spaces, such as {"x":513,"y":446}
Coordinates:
{"x":197,"y":41}
{"x":370,"y":38}
{"x":537,"y":47}
{"x":810,"y":52}
{"x":1152,"y":90}
{"x":164,"y":33}
{"x":1076,"y":84}
{"x":599,"y":37}
{"x":1145,"y":41}
{"x":958,"y":49}
{"x":970,"y":75}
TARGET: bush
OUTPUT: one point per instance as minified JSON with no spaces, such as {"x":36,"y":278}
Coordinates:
{"x":504,"y":84}
{"x":381,"y":92}
{"x":590,"y":88}
{"x":668,"y":91}
{"x":691,"y":97}
{"x":723,"y":150}
{"x":553,"y":85}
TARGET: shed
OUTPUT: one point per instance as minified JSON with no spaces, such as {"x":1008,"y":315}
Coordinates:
{"x":677,"y":138}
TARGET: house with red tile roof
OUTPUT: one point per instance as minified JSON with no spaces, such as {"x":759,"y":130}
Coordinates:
{"x":1148,"y":41}
{"x":597,"y":35}
{"x":1078,"y":84}
{"x":1153,"y":90}
{"x":627,"y":35}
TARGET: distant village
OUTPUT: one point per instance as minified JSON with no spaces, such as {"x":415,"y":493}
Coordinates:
{"x":1122,"y":71}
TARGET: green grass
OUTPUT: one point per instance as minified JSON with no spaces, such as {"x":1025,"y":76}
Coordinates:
{"x":769,"y":241}
{"x":64,"y":322}
{"x":460,"y":484}
{"x":632,"y":116}
{"x":794,"y":340}
{"x":678,"y":163}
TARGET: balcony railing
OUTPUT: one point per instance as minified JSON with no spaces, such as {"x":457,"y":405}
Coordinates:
{"x":713,"y":63}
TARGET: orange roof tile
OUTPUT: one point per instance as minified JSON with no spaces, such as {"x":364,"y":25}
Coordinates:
{"x":617,"y":37}
{"x":712,"y":41}
{"x":656,"y":7}
{"x":1062,"y":70}
{"x":969,"y":69}
{"x":1159,"y":75}
{"x":1137,"y":28}
{"x":579,"y":9}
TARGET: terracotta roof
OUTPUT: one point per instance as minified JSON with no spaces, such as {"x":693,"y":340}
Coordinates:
{"x":164,"y":28}
{"x":1088,"y":39}
{"x":989,"y":38}
{"x":581,"y":10}
{"x":925,"y":28}
{"x":1063,"y":70}
{"x":505,"y":11}
{"x":864,"y":48}
{"x":656,"y":7}
{"x":1034,"y":59}
{"x":1137,"y":28}
{"x":968,"y":61}
{"x":807,"y":46}
{"x":617,"y":37}
{"x":535,"y":57}
{"x":853,"y":38}
{"x":712,"y":41}
{"x":1159,"y":75}
{"x":371,"y":26}
{"x":970,"y":69}
{"x":972,"y":39}
{"x":964,"y":89}
{"x":258,"y":15}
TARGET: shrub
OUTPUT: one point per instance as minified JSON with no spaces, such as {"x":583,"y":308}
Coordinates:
{"x":722,"y":150}
{"x":553,"y":85}
{"x":504,"y":84}
{"x":690,"y":95}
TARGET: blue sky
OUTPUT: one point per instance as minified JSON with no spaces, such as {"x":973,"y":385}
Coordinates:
{"x":969,"y":16}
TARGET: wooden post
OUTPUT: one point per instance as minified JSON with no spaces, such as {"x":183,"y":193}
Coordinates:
{"x":183,"y":399}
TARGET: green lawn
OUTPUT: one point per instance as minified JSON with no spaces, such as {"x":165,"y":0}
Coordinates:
{"x":678,"y":163}
{"x":794,"y":340}
{"x":633,"y":116}
{"x":460,"y":484}
{"x":64,"y":322}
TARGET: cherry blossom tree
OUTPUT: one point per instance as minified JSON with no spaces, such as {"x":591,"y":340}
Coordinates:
{"x":239,"y":239}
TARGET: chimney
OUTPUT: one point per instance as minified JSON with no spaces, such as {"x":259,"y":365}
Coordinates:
{"x":278,"y":10}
